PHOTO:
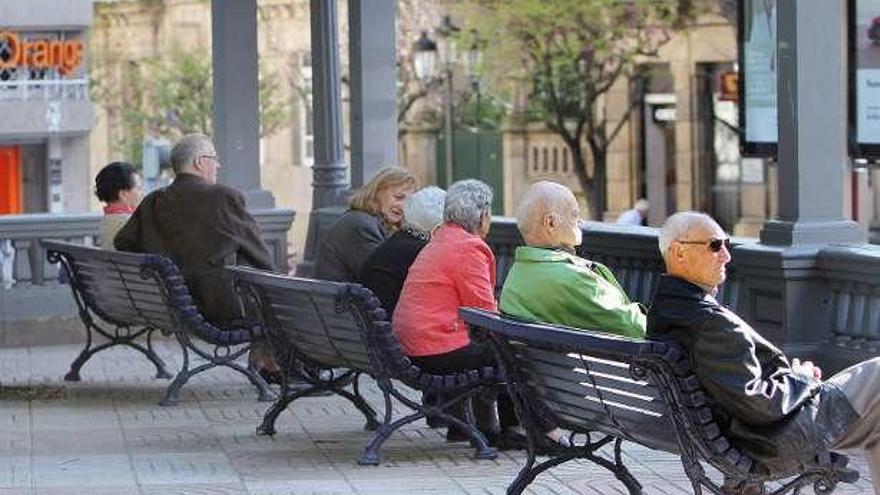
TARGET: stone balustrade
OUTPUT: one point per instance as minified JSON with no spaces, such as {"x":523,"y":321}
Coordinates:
{"x":23,"y":260}
{"x":838,"y":286}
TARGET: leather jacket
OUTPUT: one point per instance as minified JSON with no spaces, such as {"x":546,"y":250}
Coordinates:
{"x":781,"y":418}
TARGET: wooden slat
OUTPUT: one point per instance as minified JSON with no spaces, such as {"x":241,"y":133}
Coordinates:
{"x":624,"y":385}
{"x":609,"y":394}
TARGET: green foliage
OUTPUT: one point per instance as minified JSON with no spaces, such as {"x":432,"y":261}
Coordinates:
{"x":484,"y":111}
{"x":570,"y":53}
{"x":172,"y":97}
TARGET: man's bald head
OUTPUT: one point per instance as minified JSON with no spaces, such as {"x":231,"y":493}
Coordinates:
{"x":548,"y":215}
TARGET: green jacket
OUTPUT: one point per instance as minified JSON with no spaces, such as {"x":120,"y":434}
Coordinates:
{"x":556,"y":287}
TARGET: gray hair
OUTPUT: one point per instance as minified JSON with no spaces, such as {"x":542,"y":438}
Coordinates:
{"x":188,"y":149}
{"x":466,"y":202}
{"x":542,"y":198}
{"x":423,"y":209}
{"x":679,"y":225}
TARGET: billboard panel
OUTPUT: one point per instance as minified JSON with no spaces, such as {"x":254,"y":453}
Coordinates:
{"x":758,"y":73}
{"x":864,"y":78}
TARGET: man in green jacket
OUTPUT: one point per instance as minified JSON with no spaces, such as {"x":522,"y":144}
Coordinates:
{"x":549,"y":283}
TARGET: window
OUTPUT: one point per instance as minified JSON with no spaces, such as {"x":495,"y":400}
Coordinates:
{"x":306,"y":119}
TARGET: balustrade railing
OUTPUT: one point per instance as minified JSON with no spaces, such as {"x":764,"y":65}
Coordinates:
{"x":44,"y":90}
{"x":23,"y":260}
{"x":848,"y":276}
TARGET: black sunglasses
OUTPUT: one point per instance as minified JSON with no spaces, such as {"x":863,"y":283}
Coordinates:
{"x":714,"y":245}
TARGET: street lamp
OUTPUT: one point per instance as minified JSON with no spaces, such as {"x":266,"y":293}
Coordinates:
{"x":425,"y":65}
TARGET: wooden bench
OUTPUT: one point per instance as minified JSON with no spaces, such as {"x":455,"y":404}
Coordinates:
{"x":612,"y":389}
{"x":124,"y":297}
{"x":327,"y":334}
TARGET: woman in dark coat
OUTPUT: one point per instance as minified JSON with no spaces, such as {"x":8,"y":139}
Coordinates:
{"x":375,"y":212}
{"x":386,"y":269}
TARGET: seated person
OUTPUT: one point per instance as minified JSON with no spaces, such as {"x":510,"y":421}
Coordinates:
{"x":202,"y":226}
{"x":118,"y":185}
{"x":549,"y":283}
{"x":386,"y":269}
{"x":456,"y":268}
{"x":777,"y":410}
{"x":375,"y":211}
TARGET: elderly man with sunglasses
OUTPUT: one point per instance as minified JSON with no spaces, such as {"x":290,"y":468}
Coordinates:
{"x":779,"y":411}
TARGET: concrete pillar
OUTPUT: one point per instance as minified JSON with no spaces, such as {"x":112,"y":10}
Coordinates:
{"x":812,"y":125}
{"x":236,"y":97}
{"x":784,"y":292}
{"x":372,"y":44}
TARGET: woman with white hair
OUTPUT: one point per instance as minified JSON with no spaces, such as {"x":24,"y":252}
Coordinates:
{"x":386,"y":269}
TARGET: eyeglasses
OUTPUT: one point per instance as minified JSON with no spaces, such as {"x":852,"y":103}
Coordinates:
{"x":212,"y":157}
{"x":715,"y":245}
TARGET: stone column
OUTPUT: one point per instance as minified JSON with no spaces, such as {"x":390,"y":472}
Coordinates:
{"x":236,"y":97}
{"x":372,"y":40}
{"x":812,"y":125}
{"x":785,"y":294}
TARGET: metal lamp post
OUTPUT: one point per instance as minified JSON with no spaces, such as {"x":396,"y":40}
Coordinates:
{"x":425,"y":66}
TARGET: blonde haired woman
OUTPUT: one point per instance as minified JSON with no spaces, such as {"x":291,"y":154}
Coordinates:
{"x":375,"y":212}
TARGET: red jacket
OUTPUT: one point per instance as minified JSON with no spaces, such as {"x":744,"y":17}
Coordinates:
{"x":455,"y":269}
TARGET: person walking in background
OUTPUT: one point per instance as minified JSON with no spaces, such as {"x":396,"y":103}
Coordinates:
{"x":386,"y":269}
{"x":375,"y":212}
{"x":637,"y":215}
{"x":118,"y":186}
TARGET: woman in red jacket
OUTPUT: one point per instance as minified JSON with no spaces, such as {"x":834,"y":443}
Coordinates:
{"x":456,"y":268}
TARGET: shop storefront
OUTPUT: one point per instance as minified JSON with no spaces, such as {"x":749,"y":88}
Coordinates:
{"x":44,"y":101}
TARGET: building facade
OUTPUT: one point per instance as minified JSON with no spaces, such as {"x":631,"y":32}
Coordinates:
{"x":45,"y":104}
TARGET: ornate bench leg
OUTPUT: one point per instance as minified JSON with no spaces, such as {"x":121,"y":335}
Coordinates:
{"x":161,"y":370}
{"x":171,"y":393}
{"x":265,"y":392}
{"x":267,"y":427}
{"x":370,"y":456}
{"x":84,"y":355}
{"x":357,"y":399}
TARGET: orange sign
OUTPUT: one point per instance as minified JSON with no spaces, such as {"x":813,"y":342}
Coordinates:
{"x":729,"y":82}
{"x":41,"y":54}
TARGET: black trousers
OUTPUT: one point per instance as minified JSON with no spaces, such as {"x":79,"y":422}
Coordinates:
{"x":472,"y":356}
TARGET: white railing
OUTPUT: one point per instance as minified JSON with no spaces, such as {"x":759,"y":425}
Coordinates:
{"x":44,"y":90}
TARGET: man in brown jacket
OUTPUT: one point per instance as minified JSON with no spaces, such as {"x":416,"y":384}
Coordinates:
{"x":201,"y":225}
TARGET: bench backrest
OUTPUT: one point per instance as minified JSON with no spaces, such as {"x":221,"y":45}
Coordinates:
{"x":593,"y":381}
{"x":118,"y":287}
{"x":329,"y":323}
{"x":587,"y":387}
{"x":138,"y":289}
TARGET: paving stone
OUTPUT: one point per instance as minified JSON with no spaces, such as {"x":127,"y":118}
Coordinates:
{"x":82,"y":470}
{"x":108,"y":435}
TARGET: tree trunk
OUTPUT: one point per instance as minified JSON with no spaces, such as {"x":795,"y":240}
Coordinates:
{"x":587,"y":183}
{"x":599,"y":201}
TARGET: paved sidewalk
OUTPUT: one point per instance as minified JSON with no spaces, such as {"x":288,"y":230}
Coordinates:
{"x":108,"y":435}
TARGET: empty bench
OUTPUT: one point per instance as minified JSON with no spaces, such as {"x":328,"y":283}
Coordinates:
{"x":327,"y":334}
{"x":125,"y":297}
{"x":608,"y":389}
